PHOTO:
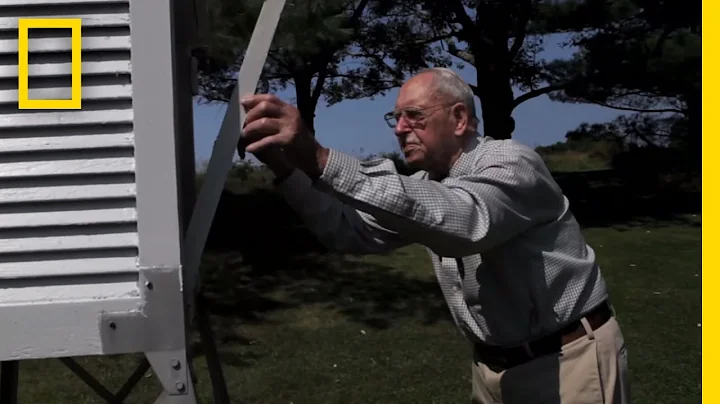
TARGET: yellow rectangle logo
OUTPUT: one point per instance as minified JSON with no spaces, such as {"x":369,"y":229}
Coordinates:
{"x":75,"y":25}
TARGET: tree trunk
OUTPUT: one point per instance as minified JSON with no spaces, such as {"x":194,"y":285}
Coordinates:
{"x":305,"y":103}
{"x":494,"y":89}
{"x":496,"y":102}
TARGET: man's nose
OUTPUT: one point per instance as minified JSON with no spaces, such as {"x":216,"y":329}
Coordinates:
{"x":402,"y":128}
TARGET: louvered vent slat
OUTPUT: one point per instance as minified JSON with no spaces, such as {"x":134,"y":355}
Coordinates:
{"x":67,"y":178}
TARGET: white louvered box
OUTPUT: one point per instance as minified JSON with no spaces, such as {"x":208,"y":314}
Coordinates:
{"x":93,"y":201}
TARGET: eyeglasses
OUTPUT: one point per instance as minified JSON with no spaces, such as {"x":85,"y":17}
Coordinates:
{"x":411,"y":114}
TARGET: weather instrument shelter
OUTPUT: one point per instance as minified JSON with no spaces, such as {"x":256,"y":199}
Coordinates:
{"x":101,"y":232}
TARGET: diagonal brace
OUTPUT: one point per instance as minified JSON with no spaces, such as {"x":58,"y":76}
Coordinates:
{"x":102,"y":391}
{"x":227,"y":141}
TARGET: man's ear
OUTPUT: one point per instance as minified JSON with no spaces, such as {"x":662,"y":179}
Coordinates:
{"x":462,"y":119}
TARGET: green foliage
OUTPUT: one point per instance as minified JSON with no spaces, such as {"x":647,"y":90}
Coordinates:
{"x":635,"y":55}
{"x":354,"y":49}
{"x":588,"y":147}
{"x":634,"y":143}
{"x":636,"y":43}
{"x":641,"y":56}
{"x":574,"y":161}
{"x":244,"y":177}
{"x":313,"y":50}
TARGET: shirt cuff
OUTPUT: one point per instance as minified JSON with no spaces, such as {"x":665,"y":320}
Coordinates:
{"x":298,"y":191}
{"x":295,"y":182}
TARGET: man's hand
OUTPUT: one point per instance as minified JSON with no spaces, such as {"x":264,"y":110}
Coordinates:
{"x":273,"y":124}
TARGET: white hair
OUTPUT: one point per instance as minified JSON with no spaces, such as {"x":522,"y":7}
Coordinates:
{"x":448,"y":83}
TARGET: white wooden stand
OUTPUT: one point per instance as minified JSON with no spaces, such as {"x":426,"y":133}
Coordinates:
{"x":101,"y":239}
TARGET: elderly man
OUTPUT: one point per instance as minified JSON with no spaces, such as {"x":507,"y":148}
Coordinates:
{"x":517,"y":275}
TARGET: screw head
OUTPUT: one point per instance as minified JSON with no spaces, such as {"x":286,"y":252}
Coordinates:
{"x":112,"y":325}
{"x":149,"y":285}
{"x":180,"y":386}
{"x":175,"y":364}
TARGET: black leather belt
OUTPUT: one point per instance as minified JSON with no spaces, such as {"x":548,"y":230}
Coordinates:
{"x":501,"y":358}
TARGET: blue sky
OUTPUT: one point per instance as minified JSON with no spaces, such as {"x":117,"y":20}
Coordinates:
{"x":357,"y":126}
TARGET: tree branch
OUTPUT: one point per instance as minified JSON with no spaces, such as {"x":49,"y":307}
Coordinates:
{"x":356,"y":77}
{"x":537,"y":92}
{"x":641,"y":110}
{"x":272,"y":55}
{"x":436,"y":38}
{"x":319,"y":85}
{"x":327,"y":57}
{"x":465,"y":56}
{"x":357,"y":13}
{"x":381,"y":62}
{"x":520,"y":29}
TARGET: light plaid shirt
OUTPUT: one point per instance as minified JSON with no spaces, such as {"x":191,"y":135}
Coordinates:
{"x":508,"y":253}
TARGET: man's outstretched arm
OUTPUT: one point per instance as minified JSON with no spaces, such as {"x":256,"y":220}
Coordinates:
{"x":461,"y":216}
{"x":338,"y":226}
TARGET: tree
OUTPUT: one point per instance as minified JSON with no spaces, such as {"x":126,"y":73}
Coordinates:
{"x":313,"y":50}
{"x":640,"y":56}
{"x":500,"y":38}
{"x":596,"y":132}
{"x":361,"y":48}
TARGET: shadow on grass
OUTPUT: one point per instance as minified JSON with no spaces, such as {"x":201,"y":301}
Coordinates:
{"x":235,"y":358}
{"x":365,"y":292}
{"x":241,"y":291}
{"x":262,"y":259}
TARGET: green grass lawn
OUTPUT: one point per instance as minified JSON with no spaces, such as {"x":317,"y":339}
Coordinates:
{"x":375,"y":329}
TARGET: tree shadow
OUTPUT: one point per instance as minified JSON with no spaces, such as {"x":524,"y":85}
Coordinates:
{"x":234,"y":358}
{"x":371,"y":294}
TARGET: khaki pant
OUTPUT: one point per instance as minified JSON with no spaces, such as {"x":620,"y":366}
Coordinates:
{"x":592,"y":369}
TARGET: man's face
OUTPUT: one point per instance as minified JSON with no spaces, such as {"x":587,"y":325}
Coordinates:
{"x":425,"y":127}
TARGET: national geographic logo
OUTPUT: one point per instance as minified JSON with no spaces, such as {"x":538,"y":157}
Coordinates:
{"x":26,"y":24}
